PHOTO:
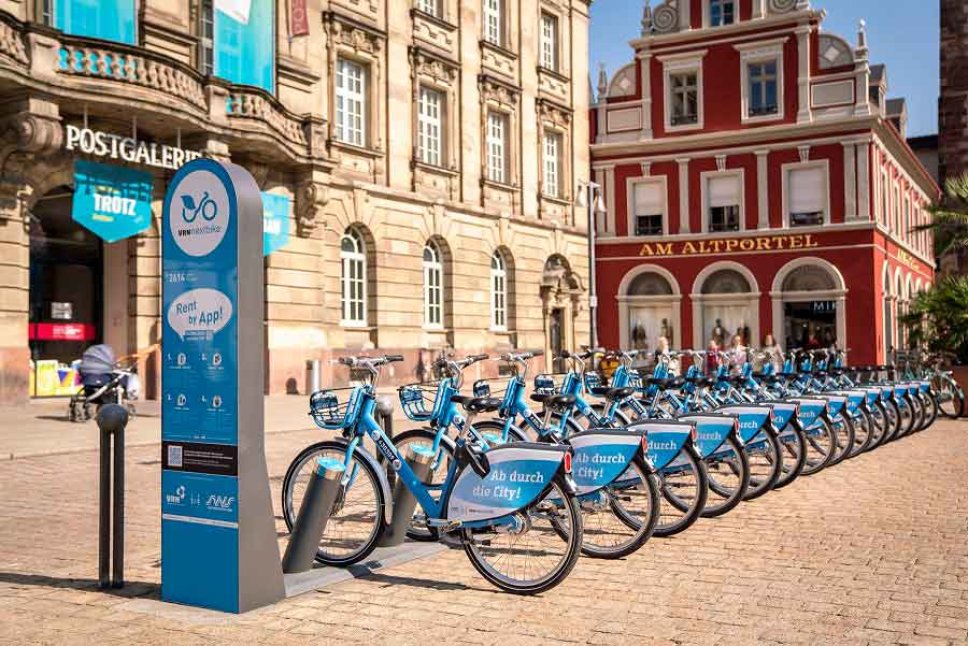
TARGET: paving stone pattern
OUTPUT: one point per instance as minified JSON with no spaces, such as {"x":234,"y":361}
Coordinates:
{"x":872,"y":551}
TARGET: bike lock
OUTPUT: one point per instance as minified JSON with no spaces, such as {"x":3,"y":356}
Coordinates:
{"x":314,"y":512}
{"x":420,"y":459}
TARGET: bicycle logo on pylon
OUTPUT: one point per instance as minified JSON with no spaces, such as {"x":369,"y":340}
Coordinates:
{"x":206,"y":207}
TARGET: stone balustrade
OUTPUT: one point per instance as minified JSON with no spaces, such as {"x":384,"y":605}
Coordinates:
{"x":249,"y":103}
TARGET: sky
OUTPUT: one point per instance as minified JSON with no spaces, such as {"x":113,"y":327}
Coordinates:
{"x":902,"y":34}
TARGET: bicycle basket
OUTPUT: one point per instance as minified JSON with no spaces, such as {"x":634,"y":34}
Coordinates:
{"x":549,"y":383}
{"x":334,"y":409}
{"x":418,"y":400}
{"x":482,"y":388}
{"x":592,"y":380}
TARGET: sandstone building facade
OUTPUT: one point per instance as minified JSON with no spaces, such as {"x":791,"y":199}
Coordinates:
{"x":427,"y":155}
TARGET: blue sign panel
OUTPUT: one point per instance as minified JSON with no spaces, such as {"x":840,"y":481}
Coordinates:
{"x":113,"y":202}
{"x":275,"y":222}
{"x":104,"y":19}
{"x":245,"y":46}
{"x":200,"y":377}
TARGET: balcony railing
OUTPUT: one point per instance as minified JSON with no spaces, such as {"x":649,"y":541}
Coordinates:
{"x":254,"y":103}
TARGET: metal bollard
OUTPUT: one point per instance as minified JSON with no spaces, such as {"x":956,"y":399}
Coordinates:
{"x":111,"y":420}
{"x":316,"y":507}
{"x":420,"y":459}
{"x":313,"y":376}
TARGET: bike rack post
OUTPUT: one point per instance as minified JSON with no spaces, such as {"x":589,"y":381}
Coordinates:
{"x":314,"y":512}
{"x":384,"y":408}
{"x":420,"y":459}
{"x":111,"y":420}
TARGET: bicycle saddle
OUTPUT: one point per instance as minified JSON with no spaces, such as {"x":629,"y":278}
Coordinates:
{"x":613,"y":394}
{"x":477,"y":404}
{"x":554,"y":401}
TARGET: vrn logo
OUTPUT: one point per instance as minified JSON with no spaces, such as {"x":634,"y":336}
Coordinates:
{"x":177,"y":497}
{"x":219,"y":502}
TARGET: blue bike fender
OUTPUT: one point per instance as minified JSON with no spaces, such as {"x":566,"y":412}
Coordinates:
{"x":809,"y":411}
{"x":783,"y":413}
{"x":899,"y":391}
{"x":752,"y":419}
{"x":666,"y":438}
{"x":912,"y":388}
{"x":519,"y":473}
{"x":854,"y":399}
{"x":711,"y":430}
{"x":887,"y":392}
{"x":873,"y":395}
{"x":835,"y":403}
{"x":924,"y":386}
{"x":601,"y":456}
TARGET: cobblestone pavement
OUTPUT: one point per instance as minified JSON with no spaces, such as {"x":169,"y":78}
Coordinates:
{"x":872,"y":551}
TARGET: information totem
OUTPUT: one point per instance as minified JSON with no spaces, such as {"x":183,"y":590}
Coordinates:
{"x":218,"y":538}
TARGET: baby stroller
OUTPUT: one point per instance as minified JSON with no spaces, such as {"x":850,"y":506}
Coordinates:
{"x":104,"y":381}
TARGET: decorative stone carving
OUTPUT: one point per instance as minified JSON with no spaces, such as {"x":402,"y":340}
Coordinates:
{"x":355,"y":38}
{"x":311,"y":199}
{"x":602,"y":82}
{"x":435,"y":34}
{"x":552,"y":114}
{"x":435,"y":69}
{"x":251,"y":103}
{"x":623,"y":83}
{"x":782,"y":6}
{"x":37,"y":134}
{"x":665,"y":18}
{"x":498,"y":60}
{"x":833,"y":51}
{"x":646,"y":18}
{"x":498,"y":93}
{"x":12,"y":44}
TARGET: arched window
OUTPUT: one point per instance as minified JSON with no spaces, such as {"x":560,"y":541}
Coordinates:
{"x":433,"y":285}
{"x":353,"y":278}
{"x":726,"y":281}
{"x":499,"y":292}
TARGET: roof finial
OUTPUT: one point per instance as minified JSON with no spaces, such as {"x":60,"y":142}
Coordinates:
{"x":646,"y":18}
{"x":602,"y":81}
{"x":862,"y":34}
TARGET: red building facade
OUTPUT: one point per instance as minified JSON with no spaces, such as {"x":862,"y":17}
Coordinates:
{"x":757,"y":181}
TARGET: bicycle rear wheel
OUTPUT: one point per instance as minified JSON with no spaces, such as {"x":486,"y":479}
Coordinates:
{"x":728,"y":473}
{"x":419,"y":530}
{"x":765,"y":462}
{"x":357,"y":519}
{"x":538,"y":552}
{"x":793,"y":448}
{"x":948,"y":396}
{"x":821,"y":445}
{"x":862,"y":433}
{"x":844,"y":433}
{"x":880,"y":424}
{"x":620,"y":518}
{"x":684,"y":487}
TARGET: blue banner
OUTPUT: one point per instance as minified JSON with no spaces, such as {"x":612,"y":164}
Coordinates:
{"x":275,"y":222}
{"x":245,"y":43}
{"x":113,"y":202}
{"x":105,"y":19}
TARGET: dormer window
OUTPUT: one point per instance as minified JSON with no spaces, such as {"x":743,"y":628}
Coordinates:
{"x":722,"y":12}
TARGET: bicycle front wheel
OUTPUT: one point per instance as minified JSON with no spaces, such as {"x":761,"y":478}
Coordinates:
{"x":766,"y":462}
{"x":684,"y":487}
{"x":949,"y":398}
{"x":793,"y":448}
{"x":728,"y":473}
{"x":356,"y":520}
{"x":534,"y":553}
{"x":821,"y":446}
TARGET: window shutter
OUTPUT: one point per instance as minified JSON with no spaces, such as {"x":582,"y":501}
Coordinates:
{"x":724,"y":190}
{"x":649,"y":199}
{"x":807,"y":190}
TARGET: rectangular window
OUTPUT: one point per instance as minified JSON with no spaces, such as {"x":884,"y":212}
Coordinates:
{"x":685,"y":98}
{"x":113,"y":20}
{"x":808,"y":196}
{"x":206,"y":38}
{"x":350,"y":102}
{"x":244,"y":43}
{"x":763,"y":88}
{"x":722,"y":12}
{"x":885,"y":215}
{"x":47,"y":13}
{"x":648,"y":206}
{"x":494,"y":22}
{"x":896,"y":219}
{"x":552,"y":164}
{"x":549,"y":42}
{"x":497,"y":127}
{"x":431,"y":7}
{"x":724,"y":198}
{"x":430,"y":107}
{"x":907,"y":217}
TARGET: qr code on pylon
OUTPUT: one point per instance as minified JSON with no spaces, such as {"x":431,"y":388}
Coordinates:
{"x":175,"y":456}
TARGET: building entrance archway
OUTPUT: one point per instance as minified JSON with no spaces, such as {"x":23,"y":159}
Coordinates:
{"x":724,"y":301}
{"x":809,"y":302}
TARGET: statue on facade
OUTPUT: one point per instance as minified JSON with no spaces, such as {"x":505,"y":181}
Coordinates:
{"x":667,"y":332}
{"x":640,"y":339}
{"x":719,"y":333}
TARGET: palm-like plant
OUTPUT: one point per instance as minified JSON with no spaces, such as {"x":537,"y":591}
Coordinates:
{"x":938,"y":318}
{"x":950,"y":217}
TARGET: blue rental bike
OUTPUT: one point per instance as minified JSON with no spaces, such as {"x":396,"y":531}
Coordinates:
{"x":512,"y":508}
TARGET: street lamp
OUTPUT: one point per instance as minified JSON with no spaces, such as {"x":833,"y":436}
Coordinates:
{"x":590,"y":197}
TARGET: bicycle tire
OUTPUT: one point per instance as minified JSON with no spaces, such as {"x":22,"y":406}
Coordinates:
{"x":642,"y":531}
{"x":771,"y":459}
{"x":844,"y":432}
{"x":690,"y":513}
{"x":821,"y":443}
{"x":415,"y":532}
{"x":730,"y":498}
{"x":794,"y":445}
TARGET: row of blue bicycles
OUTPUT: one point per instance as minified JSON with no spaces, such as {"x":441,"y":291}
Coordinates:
{"x":526,"y":477}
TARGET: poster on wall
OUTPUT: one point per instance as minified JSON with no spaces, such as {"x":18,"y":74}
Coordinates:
{"x":275,"y":222}
{"x":245,"y":43}
{"x":113,"y":202}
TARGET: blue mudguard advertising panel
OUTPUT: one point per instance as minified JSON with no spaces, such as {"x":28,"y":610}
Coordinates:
{"x":113,"y":202}
{"x":665,"y":439}
{"x":215,"y":497}
{"x":601,"y":456}
{"x":518,"y":474}
{"x":711,"y":431}
{"x":809,"y":412}
{"x":752,"y":419}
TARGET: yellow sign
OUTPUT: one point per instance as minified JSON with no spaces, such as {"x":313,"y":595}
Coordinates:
{"x":730,"y":245}
{"x":908,"y":260}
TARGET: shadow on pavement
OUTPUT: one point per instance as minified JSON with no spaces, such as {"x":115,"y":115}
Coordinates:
{"x":131,"y":589}
{"x":364,"y":572}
